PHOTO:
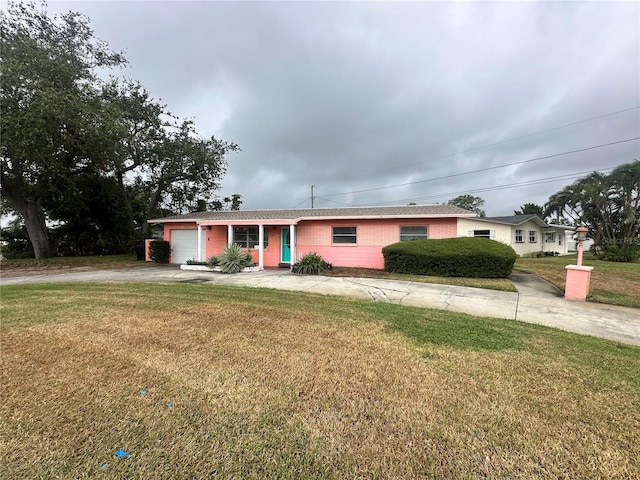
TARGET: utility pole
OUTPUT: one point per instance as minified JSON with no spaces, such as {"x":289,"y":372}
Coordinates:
{"x":312,"y":197}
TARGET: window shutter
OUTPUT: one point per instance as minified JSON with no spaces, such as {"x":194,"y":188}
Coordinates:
{"x":492,"y":234}
{"x":470,"y":234}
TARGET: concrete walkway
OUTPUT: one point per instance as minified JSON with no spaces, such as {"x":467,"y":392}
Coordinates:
{"x":536,"y":301}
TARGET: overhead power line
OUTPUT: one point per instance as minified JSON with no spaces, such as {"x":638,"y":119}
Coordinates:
{"x":527,"y":183}
{"x":484,"y":169}
{"x":473,"y":149}
{"x":301,"y":202}
{"x":337,"y":203}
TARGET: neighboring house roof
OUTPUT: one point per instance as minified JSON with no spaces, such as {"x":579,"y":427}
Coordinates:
{"x":407,"y":211}
{"x":520,"y":219}
{"x":514,"y":219}
{"x":561,"y":227}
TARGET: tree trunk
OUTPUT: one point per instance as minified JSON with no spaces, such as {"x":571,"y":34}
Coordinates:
{"x":151,"y":210}
{"x":34,"y":221}
{"x":127,"y":209}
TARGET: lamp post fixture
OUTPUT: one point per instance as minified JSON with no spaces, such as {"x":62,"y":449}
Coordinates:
{"x":578,"y":277}
{"x":581,"y":236}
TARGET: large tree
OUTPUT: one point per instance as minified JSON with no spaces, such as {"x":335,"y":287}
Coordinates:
{"x":97,"y":157}
{"x":93,"y":220}
{"x":609,"y":205}
{"x":159,"y":160}
{"x":469,"y":202}
{"x":530,"y":208}
{"x":185,"y":170}
{"x":51,"y":122}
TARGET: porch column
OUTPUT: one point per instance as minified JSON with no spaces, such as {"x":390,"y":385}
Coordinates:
{"x":292,"y":244}
{"x":199,"y":242}
{"x":229,"y":234}
{"x":261,"y":247}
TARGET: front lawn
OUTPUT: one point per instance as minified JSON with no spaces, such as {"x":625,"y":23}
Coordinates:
{"x":202,"y":381}
{"x":489,"y":283}
{"x":611,"y":282}
{"x":32,"y":265}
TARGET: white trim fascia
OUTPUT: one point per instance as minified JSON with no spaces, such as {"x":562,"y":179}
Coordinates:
{"x":388,"y":217}
{"x":294,"y":221}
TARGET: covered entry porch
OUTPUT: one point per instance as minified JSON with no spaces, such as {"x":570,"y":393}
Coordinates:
{"x":272,"y":243}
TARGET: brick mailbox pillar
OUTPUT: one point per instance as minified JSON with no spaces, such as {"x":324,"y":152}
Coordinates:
{"x":577,"y":285}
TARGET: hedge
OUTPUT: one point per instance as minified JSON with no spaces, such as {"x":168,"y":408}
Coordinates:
{"x":159,"y":251}
{"x":451,"y":257}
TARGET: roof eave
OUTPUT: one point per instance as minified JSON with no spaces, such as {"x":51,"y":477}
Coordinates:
{"x":288,"y":221}
{"x":537,"y":220}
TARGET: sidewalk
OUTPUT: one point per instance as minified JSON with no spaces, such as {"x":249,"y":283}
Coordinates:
{"x":536,"y":300}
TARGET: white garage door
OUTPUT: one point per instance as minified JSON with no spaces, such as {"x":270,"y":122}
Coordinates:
{"x":184,"y":245}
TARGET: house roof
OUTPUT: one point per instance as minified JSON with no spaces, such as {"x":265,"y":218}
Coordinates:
{"x":560,"y":227}
{"x":514,"y":219}
{"x":407,"y":211}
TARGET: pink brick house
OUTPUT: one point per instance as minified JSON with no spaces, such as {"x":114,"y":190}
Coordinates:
{"x":348,"y":237}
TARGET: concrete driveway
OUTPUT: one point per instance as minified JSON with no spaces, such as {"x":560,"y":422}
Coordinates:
{"x":536,"y":301}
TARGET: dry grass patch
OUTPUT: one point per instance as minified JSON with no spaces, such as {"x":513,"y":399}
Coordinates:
{"x":286,"y":385}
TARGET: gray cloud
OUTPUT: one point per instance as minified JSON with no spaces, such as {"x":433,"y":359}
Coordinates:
{"x":355,"y":96}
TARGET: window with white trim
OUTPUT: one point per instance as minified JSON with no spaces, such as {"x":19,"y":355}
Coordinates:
{"x":519,"y":236}
{"x":533,"y":236}
{"x":413,"y":232}
{"x":248,"y":237}
{"x":483,"y":233}
{"x":344,"y":235}
{"x":550,"y":237}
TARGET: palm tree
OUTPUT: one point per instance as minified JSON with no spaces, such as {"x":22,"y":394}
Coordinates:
{"x":609,"y":205}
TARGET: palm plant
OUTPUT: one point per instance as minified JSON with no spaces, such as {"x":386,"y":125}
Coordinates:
{"x":234,"y":259}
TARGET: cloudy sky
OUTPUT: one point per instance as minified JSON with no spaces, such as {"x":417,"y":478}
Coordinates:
{"x":381,"y":103}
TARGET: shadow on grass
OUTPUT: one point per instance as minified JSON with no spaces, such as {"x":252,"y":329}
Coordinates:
{"x":452,"y":329}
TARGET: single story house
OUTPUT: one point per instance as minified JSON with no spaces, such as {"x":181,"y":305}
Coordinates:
{"x":572,"y":243}
{"x":524,"y":233}
{"x":349,"y":237}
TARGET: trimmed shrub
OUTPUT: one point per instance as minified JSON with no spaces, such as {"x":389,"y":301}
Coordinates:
{"x":311,"y":264}
{"x":537,"y":254}
{"x":613,"y":253}
{"x":159,"y":251}
{"x":212,"y":261}
{"x":234,"y":259}
{"x":451,"y":257}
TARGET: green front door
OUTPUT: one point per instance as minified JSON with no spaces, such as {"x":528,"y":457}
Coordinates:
{"x":285,"y":240}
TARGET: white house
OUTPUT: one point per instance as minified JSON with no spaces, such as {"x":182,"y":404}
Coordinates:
{"x":524,"y":233}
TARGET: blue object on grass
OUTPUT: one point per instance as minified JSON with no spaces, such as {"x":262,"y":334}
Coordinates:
{"x":104,"y":466}
{"x":169,"y":404}
{"x":143,"y":392}
{"x":122,"y":454}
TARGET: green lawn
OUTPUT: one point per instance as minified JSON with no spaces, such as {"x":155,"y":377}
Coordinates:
{"x":202,"y":381}
{"x":611,"y":282}
{"x":97,"y":261}
{"x":489,"y":283}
